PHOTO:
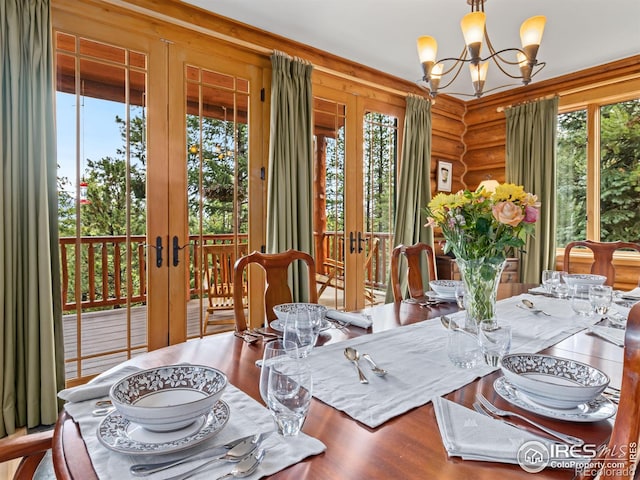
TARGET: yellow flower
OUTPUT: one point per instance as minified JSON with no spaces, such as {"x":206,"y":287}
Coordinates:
{"x":509,"y":192}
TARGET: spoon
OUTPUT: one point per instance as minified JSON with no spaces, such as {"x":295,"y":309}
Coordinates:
{"x":381,"y":372}
{"x":529,"y":304}
{"x":353,"y":356}
{"x":239,"y":451}
{"x":244,"y":468}
{"x":450,"y":324}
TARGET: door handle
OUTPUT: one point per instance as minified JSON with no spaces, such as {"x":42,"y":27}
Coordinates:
{"x":176,"y":250}
{"x":361,"y":240}
{"x":352,"y":242}
{"x":158,"y":251}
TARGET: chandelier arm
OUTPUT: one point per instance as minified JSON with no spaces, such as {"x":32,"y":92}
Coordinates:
{"x":458,"y":63}
{"x":540,"y":66}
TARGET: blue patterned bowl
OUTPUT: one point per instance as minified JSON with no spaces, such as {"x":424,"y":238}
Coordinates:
{"x":168,"y":398}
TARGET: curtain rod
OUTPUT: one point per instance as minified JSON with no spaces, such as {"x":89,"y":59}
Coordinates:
{"x":242,"y":43}
{"x":546,"y":97}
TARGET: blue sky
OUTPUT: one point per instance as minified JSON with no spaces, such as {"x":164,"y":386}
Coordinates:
{"x":100,"y":135}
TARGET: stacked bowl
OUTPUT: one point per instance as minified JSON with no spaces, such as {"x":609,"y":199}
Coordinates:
{"x":168,"y":398}
{"x":554,"y":382}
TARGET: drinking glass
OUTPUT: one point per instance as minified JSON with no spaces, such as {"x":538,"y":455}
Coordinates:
{"x":463,"y":348}
{"x":289,"y":392}
{"x":302,"y":327}
{"x":272,"y":351}
{"x":580,"y":302}
{"x":600,"y":297}
{"x":494,"y":343}
{"x":550,"y":279}
{"x":562,"y":288}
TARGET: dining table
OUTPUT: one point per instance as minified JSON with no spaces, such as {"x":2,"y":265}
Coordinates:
{"x":406,"y":446}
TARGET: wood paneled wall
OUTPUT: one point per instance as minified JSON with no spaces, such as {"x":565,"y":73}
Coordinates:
{"x":485,"y":136}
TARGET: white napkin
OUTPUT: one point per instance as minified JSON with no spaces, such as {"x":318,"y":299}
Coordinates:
{"x":97,"y":387}
{"x":632,"y":294}
{"x":468,"y":434}
{"x":357,"y":319}
{"x":613,"y":335}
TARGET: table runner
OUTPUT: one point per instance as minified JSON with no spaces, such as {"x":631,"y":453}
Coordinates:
{"x":247,"y":417}
{"x":416,"y":358}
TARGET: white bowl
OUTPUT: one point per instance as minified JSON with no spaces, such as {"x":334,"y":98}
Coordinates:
{"x":445,"y":288}
{"x":553,"y":381}
{"x":283,"y":309}
{"x":168,"y":398}
{"x":584,"y":279}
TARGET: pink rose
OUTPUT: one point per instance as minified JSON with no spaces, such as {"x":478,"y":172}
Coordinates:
{"x":508,"y":213}
{"x":530,"y":214}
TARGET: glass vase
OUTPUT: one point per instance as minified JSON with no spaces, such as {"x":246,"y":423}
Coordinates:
{"x":481,"y":279}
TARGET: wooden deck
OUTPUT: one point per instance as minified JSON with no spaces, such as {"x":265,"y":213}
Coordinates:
{"x":104,"y":340}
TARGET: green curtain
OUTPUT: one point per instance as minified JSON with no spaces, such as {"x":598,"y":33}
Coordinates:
{"x":531,"y":162}
{"x":414,"y":185}
{"x":29,"y":275}
{"x":290,"y":187}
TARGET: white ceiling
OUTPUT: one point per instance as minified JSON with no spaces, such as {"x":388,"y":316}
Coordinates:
{"x":382,"y":33}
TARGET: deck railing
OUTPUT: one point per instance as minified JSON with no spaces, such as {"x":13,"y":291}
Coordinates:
{"x":112,"y":269}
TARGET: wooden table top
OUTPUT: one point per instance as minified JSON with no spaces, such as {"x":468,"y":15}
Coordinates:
{"x":405,"y":447}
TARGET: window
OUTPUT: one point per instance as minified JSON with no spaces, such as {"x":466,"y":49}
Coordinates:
{"x":599,"y":194}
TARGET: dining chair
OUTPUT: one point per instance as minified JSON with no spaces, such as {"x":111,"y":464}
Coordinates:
{"x":602,"y":256}
{"x":277,"y":290}
{"x":30,"y":448}
{"x":626,"y":428}
{"x":413,"y":255}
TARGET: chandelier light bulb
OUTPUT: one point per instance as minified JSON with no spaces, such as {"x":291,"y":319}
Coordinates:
{"x":427,"y":49}
{"x":531,"y":31}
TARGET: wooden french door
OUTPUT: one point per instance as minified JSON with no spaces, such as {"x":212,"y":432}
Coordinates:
{"x":216,"y":184}
{"x":356,"y":148}
{"x":185,"y":129}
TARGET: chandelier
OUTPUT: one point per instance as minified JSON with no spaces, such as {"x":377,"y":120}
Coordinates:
{"x":522,"y":65}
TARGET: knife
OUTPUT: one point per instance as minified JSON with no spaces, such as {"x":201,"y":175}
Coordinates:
{"x":216,"y":452}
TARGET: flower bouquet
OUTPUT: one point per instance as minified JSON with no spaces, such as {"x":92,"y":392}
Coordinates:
{"x":481,"y":228}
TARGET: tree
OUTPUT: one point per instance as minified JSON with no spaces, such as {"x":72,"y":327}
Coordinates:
{"x":619,"y":174}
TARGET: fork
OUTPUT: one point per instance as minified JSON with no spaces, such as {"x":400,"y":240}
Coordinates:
{"x":496,"y":412}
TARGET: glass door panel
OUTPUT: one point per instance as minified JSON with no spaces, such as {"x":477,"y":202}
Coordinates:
{"x":328,"y":210}
{"x":217,"y":154}
{"x":379,"y":167}
{"x":100,"y":107}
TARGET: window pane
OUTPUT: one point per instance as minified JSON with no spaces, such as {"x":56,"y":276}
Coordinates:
{"x":620,"y":172}
{"x":571,"y":177}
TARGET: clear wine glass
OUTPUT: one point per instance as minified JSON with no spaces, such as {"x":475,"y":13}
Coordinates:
{"x":289,"y":392}
{"x":550,"y":279}
{"x":272,"y":351}
{"x":301,"y":328}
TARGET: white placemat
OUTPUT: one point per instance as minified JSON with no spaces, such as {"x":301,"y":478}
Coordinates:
{"x":247,"y":417}
{"x":416,"y":358}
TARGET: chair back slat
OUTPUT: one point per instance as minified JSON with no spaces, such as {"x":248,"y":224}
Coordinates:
{"x":277,"y":290}
{"x":602,"y":256}
{"x":414,"y":255}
